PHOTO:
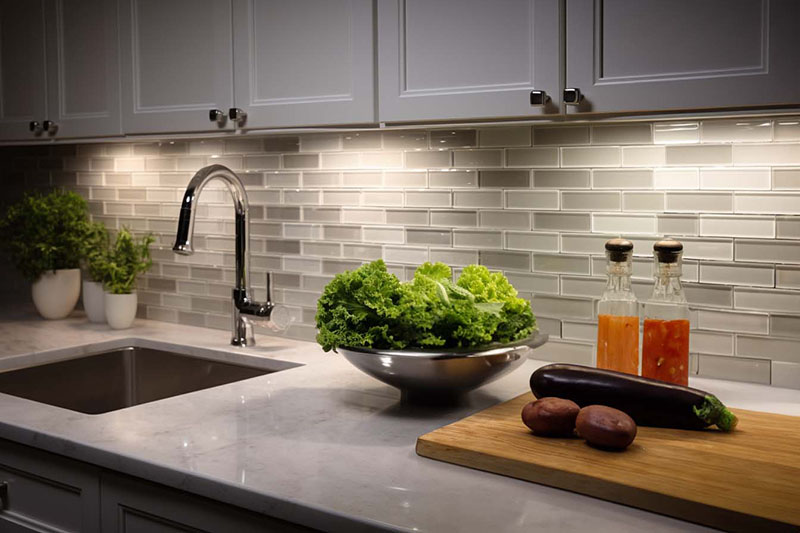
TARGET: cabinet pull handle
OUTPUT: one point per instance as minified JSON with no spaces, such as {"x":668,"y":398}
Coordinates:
{"x":50,"y":127}
{"x":35,"y":126}
{"x":539,"y":98}
{"x":3,"y":495}
{"x":573,"y":96}
{"x":216,"y":115}
{"x":237,"y":115}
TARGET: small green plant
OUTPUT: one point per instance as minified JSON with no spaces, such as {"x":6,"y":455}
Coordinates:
{"x":124,"y":262}
{"x":45,"y":232}
{"x":98,"y":242}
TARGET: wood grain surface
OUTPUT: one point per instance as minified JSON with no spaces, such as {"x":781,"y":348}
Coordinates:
{"x":747,"y":480}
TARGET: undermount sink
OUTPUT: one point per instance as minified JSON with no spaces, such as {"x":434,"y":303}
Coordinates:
{"x":120,"y":378}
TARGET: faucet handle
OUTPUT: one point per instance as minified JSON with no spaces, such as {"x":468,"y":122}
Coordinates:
{"x":281,"y":316}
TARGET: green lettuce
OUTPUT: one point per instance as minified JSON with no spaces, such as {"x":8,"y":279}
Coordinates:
{"x":370,"y":307}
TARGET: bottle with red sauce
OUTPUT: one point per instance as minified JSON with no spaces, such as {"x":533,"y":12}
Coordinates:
{"x":665,"y":341}
{"x":618,"y":313}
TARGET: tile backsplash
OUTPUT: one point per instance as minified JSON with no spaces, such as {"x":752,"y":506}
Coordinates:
{"x":535,"y":202}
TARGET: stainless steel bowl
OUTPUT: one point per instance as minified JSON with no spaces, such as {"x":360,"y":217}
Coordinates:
{"x":421,"y":373}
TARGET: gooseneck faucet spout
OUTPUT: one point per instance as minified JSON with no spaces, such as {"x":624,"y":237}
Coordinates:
{"x":243,"y":304}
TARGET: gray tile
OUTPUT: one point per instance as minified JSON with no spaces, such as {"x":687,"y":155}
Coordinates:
{"x":429,"y":159}
{"x":453,"y":138}
{"x":405,"y":140}
{"x":561,"y":179}
{"x":542,"y":200}
{"x":478,"y":158}
{"x":454,"y":218}
{"x":591,"y":156}
{"x":453,"y":178}
{"x":532,"y":157}
{"x":362,"y":140}
{"x":638,"y":133}
{"x":506,"y":179}
{"x":735,"y":368}
{"x":622,"y":179}
{"x":301,"y":160}
{"x":502,"y":136}
{"x":532,"y":241}
{"x":590,"y":201}
{"x":562,"y":221}
{"x":699,"y":155}
{"x":428,"y":236}
{"x":290,"y":143}
{"x":560,"y":135}
{"x":505,"y":260}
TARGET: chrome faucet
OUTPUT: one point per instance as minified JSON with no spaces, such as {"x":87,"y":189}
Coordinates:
{"x":244,"y":306}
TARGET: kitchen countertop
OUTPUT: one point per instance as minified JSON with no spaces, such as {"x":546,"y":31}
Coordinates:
{"x":317,"y":443}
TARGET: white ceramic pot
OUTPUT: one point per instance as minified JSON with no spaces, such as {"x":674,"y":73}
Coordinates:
{"x":120,"y":309}
{"x":93,"y":301}
{"x":56,"y":293}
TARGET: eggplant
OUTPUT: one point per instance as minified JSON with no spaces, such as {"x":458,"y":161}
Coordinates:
{"x":648,"y":401}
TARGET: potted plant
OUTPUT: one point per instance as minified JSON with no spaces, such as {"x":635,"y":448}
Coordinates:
{"x":98,"y":241}
{"x":122,"y":265}
{"x":44,"y":234}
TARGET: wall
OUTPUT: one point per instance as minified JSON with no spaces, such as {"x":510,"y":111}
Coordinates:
{"x":537,"y":203}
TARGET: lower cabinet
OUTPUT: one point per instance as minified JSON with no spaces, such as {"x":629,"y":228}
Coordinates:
{"x":45,"y":493}
{"x":133,"y":506}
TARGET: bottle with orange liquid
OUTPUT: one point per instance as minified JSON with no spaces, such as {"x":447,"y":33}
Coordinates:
{"x":665,"y":341}
{"x":618,"y":313}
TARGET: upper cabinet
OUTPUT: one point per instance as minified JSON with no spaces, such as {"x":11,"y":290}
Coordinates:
{"x":461,"y":59}
{"x":206,"y":65}
{"x":657,"y":55}
{"x":58,"y":69}
{"x":23,"y":95}
{"x":177,"y":64}
{"x":96,"y":68}
{"x":304,"y":62}
{"x":82,"y":68}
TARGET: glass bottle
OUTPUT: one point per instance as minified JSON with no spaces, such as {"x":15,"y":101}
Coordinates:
{"x":618,"y":313}
{"x":665,"y":342}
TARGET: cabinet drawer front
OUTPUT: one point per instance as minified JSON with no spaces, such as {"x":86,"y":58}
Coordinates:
{"x":46,"y":492}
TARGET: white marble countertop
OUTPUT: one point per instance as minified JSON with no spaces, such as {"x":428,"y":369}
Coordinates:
{"x":320,"y":444}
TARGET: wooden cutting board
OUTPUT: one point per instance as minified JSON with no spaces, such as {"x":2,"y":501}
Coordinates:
{"x":747,"y":480}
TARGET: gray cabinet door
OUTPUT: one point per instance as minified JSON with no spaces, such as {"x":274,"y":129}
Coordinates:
{"x":22,"y":67}
{"x":654,"y":55}
{"x":82,"y":68}
{"x":461,"y":59}
{"x":134,"y":506}
{"x":177,"y":64}
{"x":46,"y":492}
{"x":304,"y":63}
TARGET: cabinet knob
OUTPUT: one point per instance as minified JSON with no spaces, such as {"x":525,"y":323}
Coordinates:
{"x":539,"y":98}
{"x":572,"y":96}
{"x":237,"y":115}
{"x":50,"y":127}
{"x":35,"y":126}
{"x":216,"y":115}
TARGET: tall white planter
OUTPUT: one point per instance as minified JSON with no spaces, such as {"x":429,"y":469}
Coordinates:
{"x":120,"y":309}
{"x":94,"y":301}
{"x":56,"y":293}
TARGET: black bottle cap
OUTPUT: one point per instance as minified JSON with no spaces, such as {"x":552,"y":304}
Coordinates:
{"x":668,"y":250}
{"x":619,"y":249}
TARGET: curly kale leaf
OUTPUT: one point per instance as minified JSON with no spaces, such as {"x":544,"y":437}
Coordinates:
{"x":370,"y":307}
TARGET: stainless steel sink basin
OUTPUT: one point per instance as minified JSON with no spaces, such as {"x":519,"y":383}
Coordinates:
{"x":120,"y":378}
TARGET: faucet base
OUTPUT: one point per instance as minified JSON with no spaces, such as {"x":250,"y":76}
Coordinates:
{"x":242,"y":330}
